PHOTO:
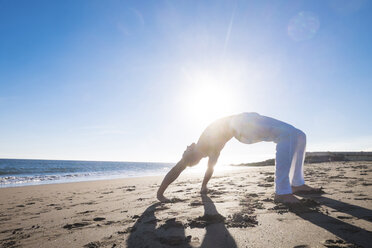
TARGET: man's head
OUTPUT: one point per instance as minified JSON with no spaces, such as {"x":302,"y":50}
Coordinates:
{"x":192,"y":155}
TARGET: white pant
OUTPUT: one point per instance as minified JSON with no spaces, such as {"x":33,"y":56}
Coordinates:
{"x":250,"y":128}
{"x":290,"y":155}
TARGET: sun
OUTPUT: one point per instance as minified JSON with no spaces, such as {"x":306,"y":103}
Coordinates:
{"x":208,"y":96}
{"x":210,"y":101}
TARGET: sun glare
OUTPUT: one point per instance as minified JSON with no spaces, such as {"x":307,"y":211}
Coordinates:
{"x":209,"y":96}
{"x":210,"y":101}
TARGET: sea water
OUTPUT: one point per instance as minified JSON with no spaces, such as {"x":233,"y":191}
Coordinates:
{"x":22,"y":172}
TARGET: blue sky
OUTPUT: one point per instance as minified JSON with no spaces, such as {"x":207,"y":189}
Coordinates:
{"x":140,"y":80}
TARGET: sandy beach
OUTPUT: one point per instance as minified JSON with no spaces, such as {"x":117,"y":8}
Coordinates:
{"x":238,"y":212}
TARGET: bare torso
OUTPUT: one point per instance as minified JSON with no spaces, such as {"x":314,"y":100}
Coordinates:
{"x":215,"y":136}
{"x":247,"y":127}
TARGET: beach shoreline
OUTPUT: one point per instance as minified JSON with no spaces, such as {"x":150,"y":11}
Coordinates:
{"x":238,"y":212}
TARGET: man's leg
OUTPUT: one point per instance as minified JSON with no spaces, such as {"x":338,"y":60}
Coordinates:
{"x":284,"y":157}
{"x":283,"y":160}
{"x":297,"y":170}
{"x":297,"y":173}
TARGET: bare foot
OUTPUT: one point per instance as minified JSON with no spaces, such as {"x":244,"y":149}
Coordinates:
{"x":163,"y":199}
{"x":287,"y":198}
{"x":305,"y":189}
{"x":204,"y":191}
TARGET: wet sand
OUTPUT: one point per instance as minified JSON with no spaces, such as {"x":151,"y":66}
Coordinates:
{"x":238,"y":212}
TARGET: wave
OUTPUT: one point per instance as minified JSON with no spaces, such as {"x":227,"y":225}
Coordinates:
{"x":17,"y":172}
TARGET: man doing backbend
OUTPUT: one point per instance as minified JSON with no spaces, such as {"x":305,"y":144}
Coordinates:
{"x":249,"y":128}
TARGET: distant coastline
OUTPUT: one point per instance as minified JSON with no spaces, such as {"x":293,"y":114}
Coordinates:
{"x":320,"y":157}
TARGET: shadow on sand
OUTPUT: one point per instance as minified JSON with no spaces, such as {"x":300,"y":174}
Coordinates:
{"x":147,"y":233}
{"x":216,"y":234}
{"x":348,"y":232}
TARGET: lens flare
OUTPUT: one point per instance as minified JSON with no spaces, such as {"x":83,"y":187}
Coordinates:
{"x":303,"y":26}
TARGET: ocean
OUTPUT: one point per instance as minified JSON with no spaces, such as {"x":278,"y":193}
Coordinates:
{"x":22,"y":172}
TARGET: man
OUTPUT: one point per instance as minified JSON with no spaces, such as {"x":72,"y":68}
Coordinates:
{"x":249,"y":128}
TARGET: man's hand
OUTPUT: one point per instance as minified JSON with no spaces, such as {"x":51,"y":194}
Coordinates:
{"x":168,"y":179}
{"x":204,"y":190}
{"x":163,"y":199}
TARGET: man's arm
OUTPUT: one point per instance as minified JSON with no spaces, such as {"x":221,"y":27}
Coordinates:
{"x":209,"y":172}
{"x":169,"y":178}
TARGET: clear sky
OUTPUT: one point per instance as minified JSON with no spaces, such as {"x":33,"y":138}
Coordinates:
{"x":140,"y":80}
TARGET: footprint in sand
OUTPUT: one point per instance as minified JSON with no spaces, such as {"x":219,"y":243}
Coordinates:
{"x":99,"y":219}
{"x":75,"y":225}
{"x":108,"y":192}
{"x":266,"y":185}
{"x":95,"y":244}
{"x":330,"y":243}
{"x":86,"y":212}
{"x":195,"y":203}
{"x":269,"y":179}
